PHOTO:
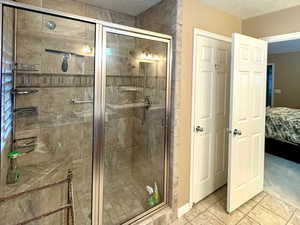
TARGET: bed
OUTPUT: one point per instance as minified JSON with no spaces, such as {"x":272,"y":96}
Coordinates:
{"x":283,"y":132}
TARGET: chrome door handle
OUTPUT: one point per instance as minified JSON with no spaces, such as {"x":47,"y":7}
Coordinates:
{"x":237,"y":132}
{"x":199,"y":129}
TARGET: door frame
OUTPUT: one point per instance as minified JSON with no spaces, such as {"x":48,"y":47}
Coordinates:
{"x":273,"y":77}
{"x":206,"y":34}
{"x":279,"y":38}
{"x":282,"y":37}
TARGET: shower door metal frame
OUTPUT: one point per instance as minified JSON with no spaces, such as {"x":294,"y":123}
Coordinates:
{"x":105,"y":30}
{"x":99,"y":100}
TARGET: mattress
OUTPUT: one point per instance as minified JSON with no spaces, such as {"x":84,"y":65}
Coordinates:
{"x":283,"y":124}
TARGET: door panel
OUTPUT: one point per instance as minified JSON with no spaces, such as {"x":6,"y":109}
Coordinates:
{"x":211,"y":71}
{"x":203,"y":157}
{"x":221,"y":99}
{"x":247,"y":116}
{"x":205,"y":82}
{"x":220,"y":150}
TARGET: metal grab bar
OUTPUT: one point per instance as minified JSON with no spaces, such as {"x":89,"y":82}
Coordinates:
{"x":67,"y":206}
{"x":63,"y":52}
{"x":78,"y":101}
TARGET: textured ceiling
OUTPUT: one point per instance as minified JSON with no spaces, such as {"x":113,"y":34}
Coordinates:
{"x":284,"y":47}
{"x":130,"y":7}
{"x":250,"y":8}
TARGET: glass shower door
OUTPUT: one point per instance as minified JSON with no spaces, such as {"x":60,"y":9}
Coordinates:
{"x":136,"y":71}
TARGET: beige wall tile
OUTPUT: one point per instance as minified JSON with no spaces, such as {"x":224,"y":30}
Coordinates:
{"x":65,"y":27}
{"x":29,"y":49}
{"x":31,"y":2}
{"x":98,"y":13}
{"x":29,"y":21}
{"x":69,"y":6}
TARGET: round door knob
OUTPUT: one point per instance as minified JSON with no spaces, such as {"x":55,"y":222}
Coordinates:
{"x":237,"y":132}
{"x":199,"y":129}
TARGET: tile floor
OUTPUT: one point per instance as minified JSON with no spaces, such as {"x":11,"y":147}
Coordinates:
{"x":264,"y":209}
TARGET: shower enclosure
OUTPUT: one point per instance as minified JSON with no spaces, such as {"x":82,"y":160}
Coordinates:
{"x":84,"y":119}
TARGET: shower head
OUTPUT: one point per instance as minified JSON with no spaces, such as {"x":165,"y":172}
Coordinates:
{"x":65,"y":64}
{"x":51,"y":25}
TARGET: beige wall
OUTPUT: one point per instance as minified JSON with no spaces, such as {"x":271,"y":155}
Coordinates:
{"x":287,"y":78}
{"x":195,"y":15}
{"x":280,"y":22}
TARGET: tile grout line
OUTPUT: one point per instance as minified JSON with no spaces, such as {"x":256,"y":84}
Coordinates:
{"x":283,"y":200}
{"x":290,"y":219}
{"x":218,"y":200}
{"x":257,"y":203}
{"x":276,"y":213}
{"x":217,"y":218}
{"x":206,"y":210}
{"x":247,"y":214}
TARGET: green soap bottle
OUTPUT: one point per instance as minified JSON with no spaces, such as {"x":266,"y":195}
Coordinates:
{"x":13,"y":172}
{"x":155,"y":196}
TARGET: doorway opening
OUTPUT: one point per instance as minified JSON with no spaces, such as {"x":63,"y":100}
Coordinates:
{"x":270,"y":84}
{"x":282,"y":144}
{"x":243,"y":149}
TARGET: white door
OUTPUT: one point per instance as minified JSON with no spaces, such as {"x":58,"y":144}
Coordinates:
{"x":210,"y":85}
{"x":247,"y":120}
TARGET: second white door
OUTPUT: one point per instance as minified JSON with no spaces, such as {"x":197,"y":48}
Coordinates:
{"x":210,"y":94}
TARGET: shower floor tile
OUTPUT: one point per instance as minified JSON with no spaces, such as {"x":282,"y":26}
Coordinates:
{"x":124,"y":201}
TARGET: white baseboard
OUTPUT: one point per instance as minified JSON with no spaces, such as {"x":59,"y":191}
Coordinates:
{"x":183,"y":209}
